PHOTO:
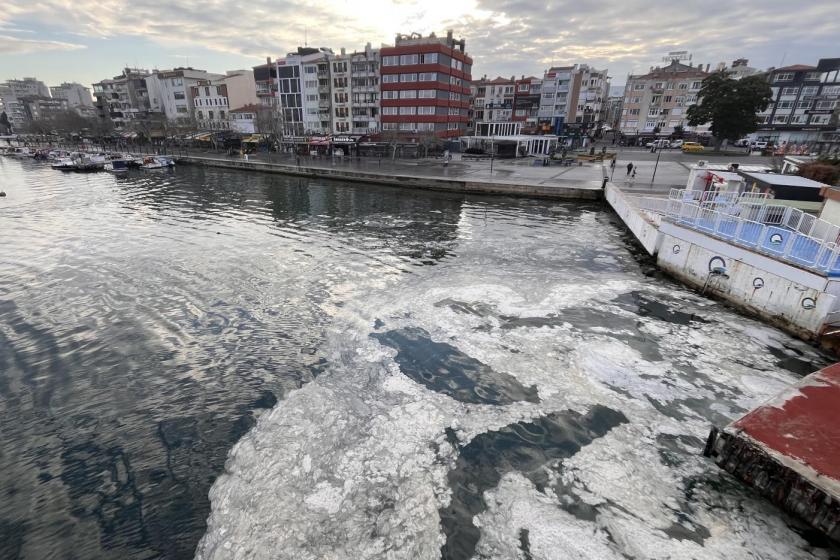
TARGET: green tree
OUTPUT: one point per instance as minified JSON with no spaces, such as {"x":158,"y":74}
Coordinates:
{"x":730,"y":105}
{"x":5,"y":125}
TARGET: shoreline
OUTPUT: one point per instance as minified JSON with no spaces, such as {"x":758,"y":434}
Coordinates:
{"x":560,"y":190}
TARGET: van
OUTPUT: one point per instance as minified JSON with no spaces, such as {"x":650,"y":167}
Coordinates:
{"x":658,"y":144}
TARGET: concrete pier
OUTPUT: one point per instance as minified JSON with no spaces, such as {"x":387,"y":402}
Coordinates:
{"x":788,"y":449}
{"x":578,"y":183}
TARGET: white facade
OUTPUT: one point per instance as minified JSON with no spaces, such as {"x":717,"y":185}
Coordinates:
{"x":170,"y":91}
{"x":241,"y":88}
{"x":364,"y":91}
{"x":244,"y":119}
{"x":303,"y":92}
{"x":76,"y":95}
{"x":211,"y":104}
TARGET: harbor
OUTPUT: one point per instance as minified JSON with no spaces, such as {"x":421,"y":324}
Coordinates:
{"x":152,"y":321}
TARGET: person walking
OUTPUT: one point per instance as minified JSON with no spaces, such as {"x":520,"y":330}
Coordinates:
{"x":629,"y":168}
{"x":612,"y":164}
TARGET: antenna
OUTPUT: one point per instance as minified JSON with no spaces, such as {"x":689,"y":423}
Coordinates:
{"x":305,"y":38}
{"x":782,"y":63}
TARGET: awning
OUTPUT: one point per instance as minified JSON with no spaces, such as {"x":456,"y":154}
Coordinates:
{"x":254,"y":139}
{"x":203,"y":137}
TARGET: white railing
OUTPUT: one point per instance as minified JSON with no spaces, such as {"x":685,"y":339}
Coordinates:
{"x":779,"y":231}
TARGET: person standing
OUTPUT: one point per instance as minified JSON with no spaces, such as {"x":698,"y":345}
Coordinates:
{"x":629,"y":168}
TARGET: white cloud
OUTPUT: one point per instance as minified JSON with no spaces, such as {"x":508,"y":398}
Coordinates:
{"x":16,"y":45}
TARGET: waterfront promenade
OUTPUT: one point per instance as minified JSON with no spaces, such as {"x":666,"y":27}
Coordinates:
{"x":507,"y":177}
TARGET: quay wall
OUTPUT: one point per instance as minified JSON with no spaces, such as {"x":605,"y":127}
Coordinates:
{"x":563,"y":190}
{"x":636,"y":221}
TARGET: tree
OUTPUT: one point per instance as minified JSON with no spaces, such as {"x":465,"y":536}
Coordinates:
{"x":823,"y":171}
{"x":5,"y":125}
{"x":730,"y":105}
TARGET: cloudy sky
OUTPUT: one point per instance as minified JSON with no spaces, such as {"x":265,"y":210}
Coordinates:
{"x":87,"y":40}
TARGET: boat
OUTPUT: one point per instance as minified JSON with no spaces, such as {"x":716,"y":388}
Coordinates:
{"x":117,"y":166}
{"x":80,"y":162}
{"x":152,"y":163}
{"x":66,"y":164}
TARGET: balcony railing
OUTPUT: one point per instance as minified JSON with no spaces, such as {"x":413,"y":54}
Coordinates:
{"x":778,"y":231}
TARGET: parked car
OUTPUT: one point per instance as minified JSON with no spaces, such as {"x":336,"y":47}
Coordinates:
{"x":742,"y":143}
{"x":676,"y":144}
{"x":661,"y":143}
{"x":692,"y":147}
{"x":759,"y":145}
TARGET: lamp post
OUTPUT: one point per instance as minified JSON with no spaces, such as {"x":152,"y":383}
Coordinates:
{"x":656,"y":165}
{"x":492,"y":152}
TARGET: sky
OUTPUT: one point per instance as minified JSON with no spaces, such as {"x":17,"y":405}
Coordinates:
{"x":88,"y":40}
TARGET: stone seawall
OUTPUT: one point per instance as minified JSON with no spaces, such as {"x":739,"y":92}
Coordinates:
{"x":559,"y":189}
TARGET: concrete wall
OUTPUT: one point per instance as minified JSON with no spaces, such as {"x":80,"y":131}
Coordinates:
{"x":790,"y":297}
{"x":568,"y":190}
{"x":637,"y":221}
{"x":831,"y":211}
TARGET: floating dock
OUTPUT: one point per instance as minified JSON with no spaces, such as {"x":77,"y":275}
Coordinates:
{"x":788,"y":449}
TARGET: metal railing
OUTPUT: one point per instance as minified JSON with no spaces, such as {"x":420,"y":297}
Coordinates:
{"x":779,"y":231}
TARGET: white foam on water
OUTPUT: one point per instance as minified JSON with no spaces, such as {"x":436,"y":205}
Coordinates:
{"x":354,"y":465}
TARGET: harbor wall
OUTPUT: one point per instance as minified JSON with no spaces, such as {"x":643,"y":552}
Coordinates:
{"x":563,"y":190}
{"x":646,"y":232}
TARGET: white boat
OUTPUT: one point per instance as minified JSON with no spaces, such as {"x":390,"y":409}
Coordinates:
{"x":117,"y":166}
{"x":157,"y":162}
{"x":66,"y":164}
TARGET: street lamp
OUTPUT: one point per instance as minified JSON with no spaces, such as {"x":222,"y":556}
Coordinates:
{"x":658,"y":153}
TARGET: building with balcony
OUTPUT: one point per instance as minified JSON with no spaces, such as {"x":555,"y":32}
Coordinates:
{"x":425,"y":86}
{"x":303,"y":91}
{"x":77,"y":96}
{"x":804,"y":106}
{"x":656,"y":103}
{"x":526,"y":102}
{"x":265,"y":82}
{"x":170,"y":91}
{"x":572,"y":98}
{"x":211,"y":104}
{"x":11,"y":93}
{"x":123,"y":101}
{"x":364,"y":91}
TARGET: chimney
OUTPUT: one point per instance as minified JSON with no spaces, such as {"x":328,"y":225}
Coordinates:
{"x":343,"y":52}
{"x":707,"y":68}
{"x":268,"y":60}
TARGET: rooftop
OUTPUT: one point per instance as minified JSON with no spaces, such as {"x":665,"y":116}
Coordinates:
{"x":795,"y":68}
{"x":785,"y":180}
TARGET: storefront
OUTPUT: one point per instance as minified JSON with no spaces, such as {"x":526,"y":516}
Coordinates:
{"x":319,"y":146}
{"x":346,"y":144}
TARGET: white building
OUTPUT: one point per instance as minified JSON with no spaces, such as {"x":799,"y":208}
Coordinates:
{"x":76,"y":95}
{"x":364,"y":91}
{"x":211,"y":104}
{"x":245,"y":120}
{"x":303,"y":91}
{"x":170,"y":91}
{"x":241,"y":88}
{"x":11,"y":93}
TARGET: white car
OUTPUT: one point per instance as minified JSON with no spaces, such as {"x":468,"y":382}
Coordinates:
{"x":661,"y":143}
{"x":676,"y":143}
{"x":759,"y":145}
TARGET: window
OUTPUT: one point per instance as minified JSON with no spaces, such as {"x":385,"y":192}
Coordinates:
{"x":407,"y":126}
{"x":181,"y":109}
{"x":311,"y":84}
{"x":824,"y":105}
{"x":453,"y":96}
{"x":310,"y":69}
{"x":790,"y":91}
{"x":390,"y":94}
{"x":670,"y":85}
{"x":408,"y":110}
{"x":390,"y":78}
{"x":457,"y":64}
{"x":410,"y":59}
{"x":804,"y":105}
{"x":638,"y":86}
{"x":427,"y":77}
{"x":210,"y":115}
{"x":696,"y":85}
{"x":340,"y":97}
{"x":809,"y":90}
{"x":425,"y":126}
{"x":655,"y":99}
{"x":657,"y":85}
{"x":177,"y":81}
{"x":820,"y":119}
{"x":429,"y":58}
{"x":784,"y":77}
{"x":634,"y":112}
{"x":389,"y":126}
{"x":668,"y":98}
{"x":200,"y":115}
{"x":831,"y":90}
{"x":390,"y":110}
{"x":178,"y":95}
{"x":408,"y":94}
{"x":797,"y":119}
{"x":390,"y":60}
{"x":427,"y":94}
{"x":454,"y":111}
{"x":455,"y":81}
{"x":339,"y":67}
{"x":812,"y":76}
{"x":425,"y":110}
{"x":650,"y":124}
{"x":408,"y":78}
{"x":452,"y":126}
{"x":637,"y":100}
{"x":312,"y":97}
{"x":785,"y":104}
{"x":653,"y":111}
{"x":631,"y":124}
{"x":221,"y":114}
{"x":682,"y":86}
{"x":342,"y":112}
{"x":523,"y":87}
{"x":780,"y":119}
{"x":340,"y":82}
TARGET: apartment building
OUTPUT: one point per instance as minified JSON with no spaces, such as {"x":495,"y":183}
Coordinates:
{"x":75,"y":94}
{"x":425,"y":85}
{"x":124,"y":100}
{"x":573,"y":97}
{"x":364,"y":91}
{"x":303,"y":92}
{"x":265,"y":82}
{"x":804,"y":104}
{"x":241,"y":88}
{"x":656,"y":103}
{"x":211,"y":104}
{"x":526,"y":102}
{"x":170,"y":91}
{"x":11,"y":93}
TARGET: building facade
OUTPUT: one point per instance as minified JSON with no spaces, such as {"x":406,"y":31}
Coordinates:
{"x":11,"y":93}
{"x":303,"y":92}
{"x":211,"y":104}
{"x":526,"y":102}
{"x":170,"y":92}
{"x":573,"y":97}
{"x":364,"y":91}
{"x":123,"y":101}
{"x":804,"y":106}
{"x":425,"y":86}
{"x":656,"y":103}
{"x":75,"y":94}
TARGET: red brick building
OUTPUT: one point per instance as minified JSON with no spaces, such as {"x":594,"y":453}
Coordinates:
{"x":425,"y":86}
